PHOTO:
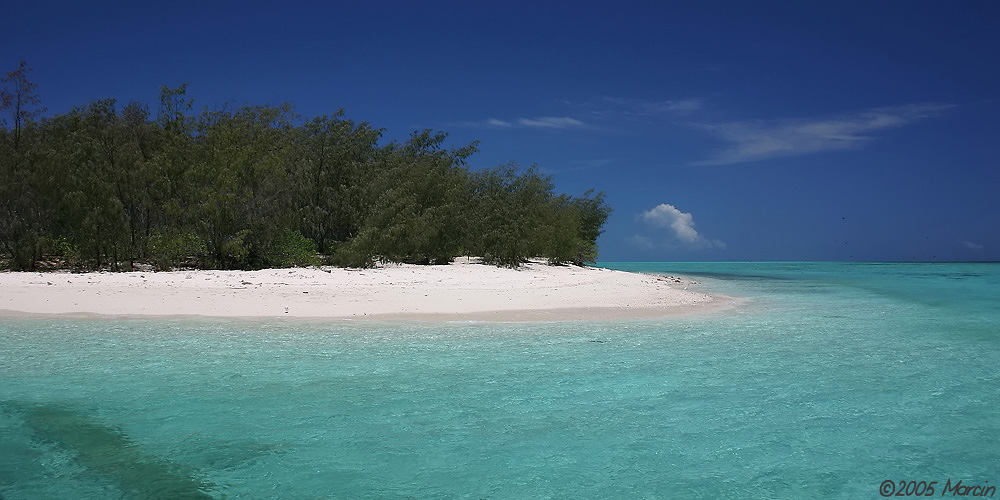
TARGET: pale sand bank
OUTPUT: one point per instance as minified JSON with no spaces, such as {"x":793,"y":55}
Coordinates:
{"x":461,"y":291}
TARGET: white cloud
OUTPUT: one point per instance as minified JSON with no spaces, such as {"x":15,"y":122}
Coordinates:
{"x":611,"y":108}
{"x":759,"y":140}
{"x":677,"y":108}
{"x":545,"y":122}
{"x":681,"y":224}
{"x":973,"y":246}
{"x":667,"y":216}
{"x":550,"y":122}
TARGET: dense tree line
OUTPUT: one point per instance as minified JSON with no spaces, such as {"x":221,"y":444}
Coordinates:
{"x":107,"y":186}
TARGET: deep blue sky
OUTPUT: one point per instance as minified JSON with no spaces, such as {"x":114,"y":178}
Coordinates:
{"x":729,"y":130}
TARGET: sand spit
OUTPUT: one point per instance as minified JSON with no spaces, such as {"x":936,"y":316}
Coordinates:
{"x":463,"y":290}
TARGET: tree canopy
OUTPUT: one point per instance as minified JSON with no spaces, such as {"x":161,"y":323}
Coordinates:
{"x":106,"y":186}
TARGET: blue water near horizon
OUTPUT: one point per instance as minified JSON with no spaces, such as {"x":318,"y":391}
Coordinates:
{"x":830,"y":379}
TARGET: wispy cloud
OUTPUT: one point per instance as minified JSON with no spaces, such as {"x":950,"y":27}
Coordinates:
{"x":975,"y":247}
{"x":598,"y":114}
{"x":680,"y":224}
{"x":493,"y":122}
{"x":542,"y":122}
{"x":612,"y":108}
{"x":760,"y":140}
{"x":681,"y":107}
{"x":550,"y":122}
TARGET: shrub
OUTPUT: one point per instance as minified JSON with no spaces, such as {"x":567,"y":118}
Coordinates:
{"x":291,"y":248}
{"x":169,"y":250}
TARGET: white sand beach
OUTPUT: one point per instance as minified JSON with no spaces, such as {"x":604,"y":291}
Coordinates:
{"x":464,"y":290}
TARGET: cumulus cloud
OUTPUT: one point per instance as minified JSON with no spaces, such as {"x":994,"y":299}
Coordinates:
{"x":667,"y":216}
{"x":760,"y":140}
{"x":680,"y":224}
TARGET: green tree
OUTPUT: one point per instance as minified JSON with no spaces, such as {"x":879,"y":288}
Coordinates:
{"x":175,"y":236}
{"x":20,"y":100}
{"x":326,"y":163}
{"x":253,"y":186}
{"x":241,"y":183}
{"x":22,"y":213}
{"x":415,"y":197}
{"x":93,"y":165}
{"x":593,"y":211}
{"x":508,"y":212}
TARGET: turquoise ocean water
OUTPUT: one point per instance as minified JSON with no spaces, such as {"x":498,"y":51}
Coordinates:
{"x":831,"y":379}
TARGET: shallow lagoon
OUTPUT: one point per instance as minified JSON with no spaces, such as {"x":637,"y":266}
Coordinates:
{"x":830,"y":380}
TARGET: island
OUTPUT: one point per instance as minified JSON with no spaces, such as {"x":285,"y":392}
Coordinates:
{"x":106,"y":186}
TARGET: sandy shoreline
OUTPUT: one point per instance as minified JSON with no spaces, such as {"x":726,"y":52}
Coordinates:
{"x":461,"y":291}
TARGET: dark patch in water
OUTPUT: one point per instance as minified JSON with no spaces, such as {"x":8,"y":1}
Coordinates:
{"x":109,"y":452}
{"x":231,"y":455}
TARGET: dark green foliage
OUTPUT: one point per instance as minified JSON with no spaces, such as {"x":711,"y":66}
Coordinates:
{"x":172,"y":249}
{"x":22,"y":213}
{"x":291,"y":249}
{"x":241,"y":184}
{"x":106,"y":186}
{"x":578,"y":224}
{"x":506,"y":224}
{"x":516,"y":216}
{"x":326,"y":165}
{"x":417,"y":195}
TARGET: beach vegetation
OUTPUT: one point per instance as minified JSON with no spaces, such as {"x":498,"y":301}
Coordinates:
{"x":173,"y":249}
{"x":109,"y":186}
